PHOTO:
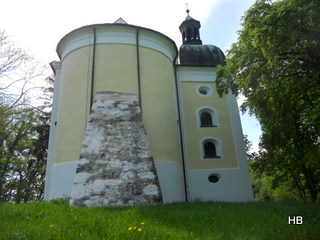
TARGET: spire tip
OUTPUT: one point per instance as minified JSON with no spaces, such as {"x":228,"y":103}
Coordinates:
{"x":187,"y":11}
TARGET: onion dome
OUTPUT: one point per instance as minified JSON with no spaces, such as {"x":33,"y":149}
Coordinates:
{"x":205,"y":55}
{"x":192,"y":52}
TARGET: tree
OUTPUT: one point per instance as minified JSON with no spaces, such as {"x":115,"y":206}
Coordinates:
{"x":24,"y":126}
{"x":20,"y":166}
{"x":275,"y":64}
{"x":20,"y":74}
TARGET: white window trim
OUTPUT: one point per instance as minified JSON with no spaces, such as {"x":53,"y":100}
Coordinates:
{"x":214,"y":116}
{"x":208,"y":88}
{"x":216,"y":142}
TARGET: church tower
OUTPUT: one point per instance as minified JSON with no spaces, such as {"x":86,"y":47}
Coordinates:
{"x":212,"y":138}
{"x":195,"y":137}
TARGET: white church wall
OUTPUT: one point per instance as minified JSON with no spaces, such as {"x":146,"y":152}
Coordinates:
{"x":52,"y":136}
{"x":171,"y":181}
{"x":233,"y":185}
{"x":61,"y":180}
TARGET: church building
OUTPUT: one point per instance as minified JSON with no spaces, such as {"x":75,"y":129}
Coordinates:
{"x":195,"y":136}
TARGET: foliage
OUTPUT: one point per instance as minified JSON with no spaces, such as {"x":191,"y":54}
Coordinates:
{"x":263,"y":186}
{"x":22,"y":160}
{"x":20,"y":74}
{"x":275,"y":64}
{"x":24,"y":128}
{"x":255,"y":221}
{"x":24,"y":139}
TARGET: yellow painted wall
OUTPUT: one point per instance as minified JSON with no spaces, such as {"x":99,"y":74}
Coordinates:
{"x":159,"y":105}
{"x":73,"y":105}
{"x":116,"y":70}
{"x":191,"y":102}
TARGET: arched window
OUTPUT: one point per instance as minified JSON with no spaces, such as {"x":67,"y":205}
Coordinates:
{"x":195,"y":34}
{"x":189,"y":34}
{"x":211,"y":148}
{"x":206,"y":120}
{"x":207,"y":117}
{"x":183,"y":37}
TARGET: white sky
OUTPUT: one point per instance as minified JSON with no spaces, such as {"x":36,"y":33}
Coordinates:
{"x":38,"y":25}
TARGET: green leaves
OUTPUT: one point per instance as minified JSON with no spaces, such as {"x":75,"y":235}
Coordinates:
{"x":22,"y":154}
{"x":24,"y":129}
{"x":276,"y":65}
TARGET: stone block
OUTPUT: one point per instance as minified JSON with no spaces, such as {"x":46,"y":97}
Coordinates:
{"x":116,"y":167}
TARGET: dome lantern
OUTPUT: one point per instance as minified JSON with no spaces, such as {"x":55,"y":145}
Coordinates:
{"x":192,"y":52}
{"x":189,"y":29}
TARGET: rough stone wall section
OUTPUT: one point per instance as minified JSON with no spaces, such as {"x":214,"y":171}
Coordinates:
{"x":115,"y":167}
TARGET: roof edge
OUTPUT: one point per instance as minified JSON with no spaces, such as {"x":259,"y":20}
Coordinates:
{"x":113,"y":24}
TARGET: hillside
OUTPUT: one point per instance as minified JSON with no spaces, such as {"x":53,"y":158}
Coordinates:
{"x":209,"y":220}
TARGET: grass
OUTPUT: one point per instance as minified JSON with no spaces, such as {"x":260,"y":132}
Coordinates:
{"x":190,"y":221}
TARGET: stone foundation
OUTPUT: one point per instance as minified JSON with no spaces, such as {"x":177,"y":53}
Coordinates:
{"x":116,"y":167}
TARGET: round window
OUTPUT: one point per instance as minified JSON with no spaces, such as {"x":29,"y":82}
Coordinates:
{"x":213,"y":178}
{"x":204,"y":90}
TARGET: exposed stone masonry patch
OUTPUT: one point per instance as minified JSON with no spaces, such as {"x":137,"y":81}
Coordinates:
{"x":115,"y":167}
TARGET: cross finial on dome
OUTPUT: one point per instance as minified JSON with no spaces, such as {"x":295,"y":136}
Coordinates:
{"x":187,"y":11}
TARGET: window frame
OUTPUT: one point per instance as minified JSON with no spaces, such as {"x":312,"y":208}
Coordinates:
{"x":205,"y":87}
{"x":214,"y":117}
{"x":218,"y":148}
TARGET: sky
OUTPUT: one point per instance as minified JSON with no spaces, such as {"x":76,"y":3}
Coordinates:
{"x":38,"y":25}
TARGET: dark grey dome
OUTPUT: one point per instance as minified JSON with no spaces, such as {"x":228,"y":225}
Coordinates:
{"x":204,"y":55}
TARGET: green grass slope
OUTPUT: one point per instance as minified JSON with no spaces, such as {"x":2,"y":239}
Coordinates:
{"x":190,"y":221}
